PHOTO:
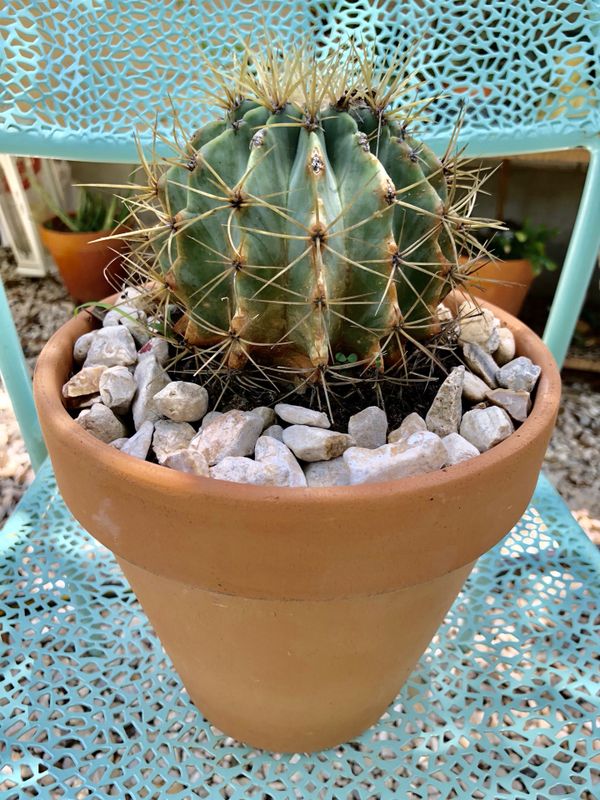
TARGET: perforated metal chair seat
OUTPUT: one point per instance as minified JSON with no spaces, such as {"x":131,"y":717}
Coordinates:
{"x":504,"y":703}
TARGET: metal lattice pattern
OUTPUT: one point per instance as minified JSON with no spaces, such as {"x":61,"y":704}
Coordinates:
{"x":503,"y":703}
{"x":78,"y":77}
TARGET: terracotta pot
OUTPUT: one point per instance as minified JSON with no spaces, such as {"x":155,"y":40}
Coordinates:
{"x":90,"y":269}
{"x":514,"y":277}
{"x":293,"y":615}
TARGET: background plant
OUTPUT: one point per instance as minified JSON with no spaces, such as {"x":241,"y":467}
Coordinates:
{"x":523,"y":241}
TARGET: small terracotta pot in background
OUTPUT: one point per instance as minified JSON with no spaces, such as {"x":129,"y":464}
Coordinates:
{"x":503,"y":283}
{"x":293,"y":616}
{"x":90,"y":269}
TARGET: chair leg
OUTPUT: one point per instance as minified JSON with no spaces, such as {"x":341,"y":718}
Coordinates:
{"x":579,"y":265}
{"x":15,"y":374}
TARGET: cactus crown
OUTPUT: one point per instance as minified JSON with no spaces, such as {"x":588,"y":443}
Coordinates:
{"x":306,"y":237}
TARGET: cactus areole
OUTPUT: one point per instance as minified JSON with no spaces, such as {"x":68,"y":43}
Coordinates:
{"x":309,"y":227}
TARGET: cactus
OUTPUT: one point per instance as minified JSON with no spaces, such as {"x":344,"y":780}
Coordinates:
{"x":308,"y":232}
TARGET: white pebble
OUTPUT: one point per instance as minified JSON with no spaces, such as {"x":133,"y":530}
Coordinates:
{"x":320,"y":474}
{"x":270,"y":451}
{"x":486,"y":427}
{"x":409,"y":425}
{"x":130,"y":317}
{"x":507,"y":346}
{"x":182,"y":401}
{"x":458,"y":449}
{"x":266,"y":414}
{"x":520,"y":375}
{"x":298,"y":415}
{"x":117,"y":388}
{"x":101,"y":423}
{"x":244,"y":470}
{"x":368,"y":428}
{"x":276,"y":431}
{"x":209,"y":417}
{"x":516,"y":404}
{"x":315,"y":444}
{"x":159,"y":348}
{"x":478,"y":326}
{"x":150,"y":378}
{"x":111,"y":347}
{"x":169,"y":437}
{"x":421,"y":452}
{"x":190,"y":461}
{"x":232,"y":434}
{"x":474,"y":389}
{"x":82,"y":346}
{"x":139,"y":444}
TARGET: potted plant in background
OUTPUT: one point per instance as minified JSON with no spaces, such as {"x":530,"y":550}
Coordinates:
{"x":519,"y":256}
{"x":296,"y":262}
{"x":90,"y":265}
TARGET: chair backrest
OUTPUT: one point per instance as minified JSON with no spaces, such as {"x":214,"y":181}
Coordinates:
{"x":77,"y":78}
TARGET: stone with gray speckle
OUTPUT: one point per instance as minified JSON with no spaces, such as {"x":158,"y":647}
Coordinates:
{"x":517,"y":404}
{"x":445,"y":412}
{"x":320,"y":474}
{"x":368,"y":428}
{"x":520,"y":375}
{"x":276,"y":431}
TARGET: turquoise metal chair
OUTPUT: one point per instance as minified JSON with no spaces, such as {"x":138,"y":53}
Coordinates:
{"x":504,"y":702}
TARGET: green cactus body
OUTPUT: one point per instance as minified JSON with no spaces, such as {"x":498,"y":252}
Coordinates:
{"x":299,"y":231}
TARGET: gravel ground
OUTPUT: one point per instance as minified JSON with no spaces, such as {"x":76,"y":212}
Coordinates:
{"x":41,"y":305}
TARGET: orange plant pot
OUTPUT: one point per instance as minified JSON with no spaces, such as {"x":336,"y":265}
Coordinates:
{"x":293,"y":616}
{"x":503,"y":283}
{"x":90,"y":269}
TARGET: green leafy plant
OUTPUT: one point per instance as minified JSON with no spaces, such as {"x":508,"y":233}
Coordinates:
{"x":95,"y":212}
{"x":308,"y":222}
{"x":525,"y":241}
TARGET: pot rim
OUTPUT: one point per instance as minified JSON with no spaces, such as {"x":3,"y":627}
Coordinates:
{"x":49,"y":401}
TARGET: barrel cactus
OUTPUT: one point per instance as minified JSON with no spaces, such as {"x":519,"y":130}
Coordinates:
{"x":308,"y":235}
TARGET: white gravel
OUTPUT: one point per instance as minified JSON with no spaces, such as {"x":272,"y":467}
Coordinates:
{"x":40,"y":306}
